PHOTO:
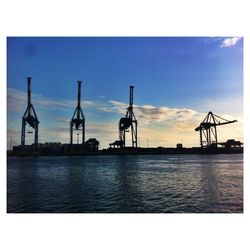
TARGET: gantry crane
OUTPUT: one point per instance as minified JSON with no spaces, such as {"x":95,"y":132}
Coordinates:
{"x":129,"y":121}
{"x":78,"y":121}
{"x":29,"y":118}
{"x":208,"y":131}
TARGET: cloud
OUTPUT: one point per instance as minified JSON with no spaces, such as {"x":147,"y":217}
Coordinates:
{"x":230,"y":41}
{"x":161,"y":114}
{"x":152,"y":116}
{"x":17,"y":102}
{"x":118,"y":107}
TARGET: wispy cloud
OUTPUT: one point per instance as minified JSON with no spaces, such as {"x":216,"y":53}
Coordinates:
{"x":152,"y":116}
{"x":230,"y":41}
{"x":17,"y":101}
{"x":118,"y":107}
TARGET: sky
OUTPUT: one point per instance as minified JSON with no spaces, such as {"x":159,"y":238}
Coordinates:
{"x":177,"y":80}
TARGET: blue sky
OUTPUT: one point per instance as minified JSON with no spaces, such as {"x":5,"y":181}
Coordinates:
{"x":171,"y":74}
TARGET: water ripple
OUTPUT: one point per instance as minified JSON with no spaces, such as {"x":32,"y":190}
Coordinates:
{"x":125,"y":184}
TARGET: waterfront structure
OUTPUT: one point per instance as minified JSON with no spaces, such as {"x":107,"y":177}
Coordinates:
{"x":92,"y":144}
{"x":208,"y":131}
{"x":29,"y":118}
{"x":78,"y":121}
{"x":129,"y":121}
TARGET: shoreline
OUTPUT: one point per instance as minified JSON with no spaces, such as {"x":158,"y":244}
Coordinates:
{"x":130,"y":151}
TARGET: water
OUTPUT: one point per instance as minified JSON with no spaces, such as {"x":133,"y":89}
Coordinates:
{"x":124,"y":184}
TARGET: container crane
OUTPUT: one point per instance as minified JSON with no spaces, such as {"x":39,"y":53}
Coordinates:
{"x":29,"y":118}
{"x":129,"y":121}
{"x":78,"y":121}
{"x":208,"y":131}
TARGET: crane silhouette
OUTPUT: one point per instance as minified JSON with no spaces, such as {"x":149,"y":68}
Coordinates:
{"x":208,"y":131}
{"x":128,"y":121}
{"x":29,"y":118}
{"x":78,"y":120}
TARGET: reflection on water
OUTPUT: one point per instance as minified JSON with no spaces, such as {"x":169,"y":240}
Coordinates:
{"x":121,"y":184}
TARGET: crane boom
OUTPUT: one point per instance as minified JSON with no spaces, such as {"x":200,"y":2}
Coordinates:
{"x":209,"y":124}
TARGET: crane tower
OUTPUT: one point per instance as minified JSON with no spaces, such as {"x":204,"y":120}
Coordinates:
{"x":129,"y":121}
{"x":78,"y":121}
{"x":29,"y":118}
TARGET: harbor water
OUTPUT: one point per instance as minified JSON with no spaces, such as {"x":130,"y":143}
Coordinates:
{"x":126,"y":184}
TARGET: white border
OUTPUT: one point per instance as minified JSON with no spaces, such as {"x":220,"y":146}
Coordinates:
{"x":115,"y":18}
